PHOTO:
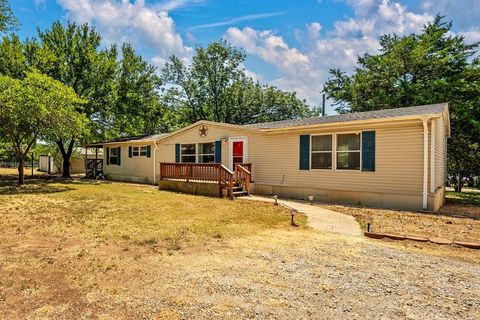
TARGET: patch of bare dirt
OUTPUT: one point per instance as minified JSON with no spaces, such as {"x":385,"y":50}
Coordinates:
{"x":293,"y":273}
{"x":461,"y":210}
{"x":443,"y":225}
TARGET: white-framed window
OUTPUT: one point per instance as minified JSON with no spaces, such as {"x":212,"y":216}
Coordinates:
{"x":139,"y":151}
{"x":113,"y":156}
{"x":135,"y":151}
{"x":349,"y":151}
{"x":321,"y":151}
{"x":188,"y":152}
{"x":206,"y":152}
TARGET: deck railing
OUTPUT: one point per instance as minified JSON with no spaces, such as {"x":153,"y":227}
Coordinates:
{"x":199,"y":172}
{"x":243,"y":175}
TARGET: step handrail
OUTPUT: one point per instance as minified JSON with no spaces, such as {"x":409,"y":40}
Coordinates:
{"x":228,"y":183}
{"x":244,"y":175}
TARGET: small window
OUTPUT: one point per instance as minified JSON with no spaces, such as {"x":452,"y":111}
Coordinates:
{"x":139,"y":151}
{"x":113,"y":157}
{"x":348,"y":151}
{"x":135,"y":151}
{"x":322,"y":152}
{"x":206,"y":152}
{"x":188,"y":153}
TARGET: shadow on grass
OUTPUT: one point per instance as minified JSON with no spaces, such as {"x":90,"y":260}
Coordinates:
{"x":43,"y":185}
{"x":463,"y":197}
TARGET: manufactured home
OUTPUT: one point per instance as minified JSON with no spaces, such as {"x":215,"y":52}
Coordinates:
{"x":392,"y":158}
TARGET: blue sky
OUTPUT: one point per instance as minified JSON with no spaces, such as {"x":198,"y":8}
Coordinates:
{"x":290,"y":44}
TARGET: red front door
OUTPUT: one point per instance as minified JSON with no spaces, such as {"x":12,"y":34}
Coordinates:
{"x":237,"y":152}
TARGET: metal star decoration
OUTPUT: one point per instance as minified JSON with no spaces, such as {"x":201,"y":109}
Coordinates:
{"x":202,"y":131}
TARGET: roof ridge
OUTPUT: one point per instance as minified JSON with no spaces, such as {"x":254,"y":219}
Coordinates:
{"x":352,"y":116}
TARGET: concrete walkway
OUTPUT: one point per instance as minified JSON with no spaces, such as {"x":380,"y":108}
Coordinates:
{"x":319,"y":218}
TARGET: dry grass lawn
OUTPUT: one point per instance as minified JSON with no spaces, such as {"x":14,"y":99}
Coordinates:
{"x":132,"y":214}
{"x":12,"y":173}
{"x":83,"y":250}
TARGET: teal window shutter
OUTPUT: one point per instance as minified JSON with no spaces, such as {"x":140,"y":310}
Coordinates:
{"x":149,"y":151}
{"x":177,"y":152}
{"x":108,"y":156}
{"x":368,"y":151}
{"x":129,"y":151}
{"x":218,"y":151}
{"x":305,"y":152}
{"x":119,"y":155}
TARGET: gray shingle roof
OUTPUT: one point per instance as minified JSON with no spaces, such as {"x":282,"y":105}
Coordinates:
{"x":143,"y":138}
{"x":378,"y":114}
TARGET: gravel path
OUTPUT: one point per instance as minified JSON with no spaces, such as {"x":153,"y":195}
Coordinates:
{"x":330,"y":278}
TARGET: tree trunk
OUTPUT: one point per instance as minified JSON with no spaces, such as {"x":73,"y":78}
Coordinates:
{"x":66,"y":154}
{"x":21,"y":176}
{"x":66,"y":167}
{"x":459,"y":185}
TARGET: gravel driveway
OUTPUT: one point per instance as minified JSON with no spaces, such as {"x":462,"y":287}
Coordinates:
{"x":292,"y":273}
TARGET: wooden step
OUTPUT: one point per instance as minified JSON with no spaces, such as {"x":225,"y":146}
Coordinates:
{"x":240,"y":193}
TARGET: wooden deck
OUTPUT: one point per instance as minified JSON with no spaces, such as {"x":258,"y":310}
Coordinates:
{"x":235,"y":182}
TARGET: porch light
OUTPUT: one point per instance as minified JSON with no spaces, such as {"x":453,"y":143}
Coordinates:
{"x":275,"y":197}
{"x":311,"y":199}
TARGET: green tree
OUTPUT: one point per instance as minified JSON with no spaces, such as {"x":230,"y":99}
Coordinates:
{"x":137,"y":109}
{"x":214,"y":87}
{"x":36,"y":107}
{"x":433,"y":66}
{"x":13,"y":61}
{"x":7,"y":19}
{"x":72,"y":55}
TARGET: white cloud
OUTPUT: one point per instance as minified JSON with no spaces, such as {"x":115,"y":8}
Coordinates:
{"x":134,"y":22}
{"x":237,"y":19}
{"x":376,"y":17}
{"x":305,"y":70}
{"x":313,"y":31}
{"x":472,"y":35}
{"x":464,"y":13}
{"x":170,"y":5}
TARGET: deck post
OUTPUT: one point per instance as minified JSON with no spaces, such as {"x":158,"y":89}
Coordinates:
{"x":96,"y":163}
{"x":219,"y":172}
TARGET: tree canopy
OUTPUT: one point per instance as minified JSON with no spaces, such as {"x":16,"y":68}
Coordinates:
{"x":215,"y":87}
{"x":7,"y":19}
{"x":433,"y":66}
{"x":37,"y":107}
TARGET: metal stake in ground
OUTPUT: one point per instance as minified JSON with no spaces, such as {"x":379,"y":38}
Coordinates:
{"x":292,"y":213}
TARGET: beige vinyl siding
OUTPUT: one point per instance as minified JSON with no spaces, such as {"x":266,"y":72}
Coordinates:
{"x":440,"y":153}
{"x":399,"y":164}
{"x":275,"y":158}
{"x":138,"y":169}
{"x":215,"y":133}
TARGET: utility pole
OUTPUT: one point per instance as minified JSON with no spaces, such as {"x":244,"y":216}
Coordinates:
{"x":323,"y":104}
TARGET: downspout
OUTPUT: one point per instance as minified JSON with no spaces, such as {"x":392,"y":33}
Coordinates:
{"x":425,"y":164}
{"x":432,"y":156}
{"x":155,"y":162}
